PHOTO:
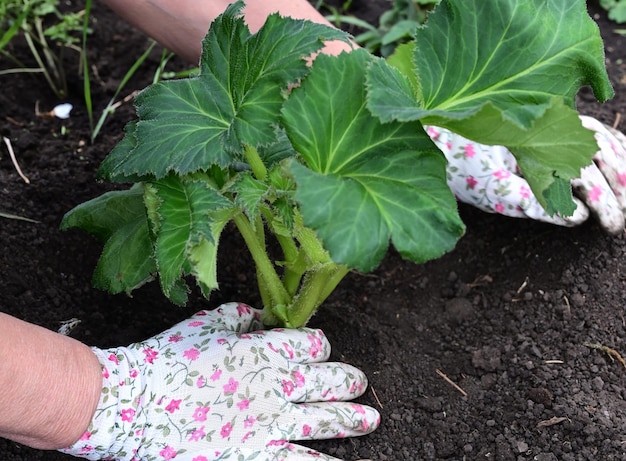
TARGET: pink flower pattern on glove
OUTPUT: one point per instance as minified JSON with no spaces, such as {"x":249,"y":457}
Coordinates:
{"x":212,"y":388}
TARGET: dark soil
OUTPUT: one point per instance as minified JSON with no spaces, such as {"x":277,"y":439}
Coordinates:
{"x":508,"y":315}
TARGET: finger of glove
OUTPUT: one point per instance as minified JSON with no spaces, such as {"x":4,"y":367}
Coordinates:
{"x":235,"y":317}
{"x":487,"y":177}
{"x":325,"y":420}
{"x":508,"y":194}
{"x":324,"y":382}
{"x":594,"y":190}
{"x":533,"y":209}
{"x":470,"y":157}
{"x":284,"y":450}
{"x":483,"y":176}
{"x":293,"y":346}
{"x":231,"y":317}
{"x":611,"y":156}
{"x":291,"y":452}
{"x":611,"y":161}
{"x":276,"y":450}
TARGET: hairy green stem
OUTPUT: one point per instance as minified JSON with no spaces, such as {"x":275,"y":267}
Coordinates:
{"x":294,"y":259}
{"x":340,"y":272}
{"x":269,"y":280}
{"x":294,"y":270}
{"x":312,"y":246}
{"x":317,"y":286}
{"x":266,"y":297}
{"x":256,"y":163}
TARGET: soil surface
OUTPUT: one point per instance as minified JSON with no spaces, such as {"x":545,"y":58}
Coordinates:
{"x":509,"y":316}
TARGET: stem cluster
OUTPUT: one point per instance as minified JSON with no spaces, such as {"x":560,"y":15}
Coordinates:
{"x":308,"y":274}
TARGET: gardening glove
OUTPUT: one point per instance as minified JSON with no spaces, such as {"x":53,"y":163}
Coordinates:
{"x":210,"y":388}
{"x":488,"y":178}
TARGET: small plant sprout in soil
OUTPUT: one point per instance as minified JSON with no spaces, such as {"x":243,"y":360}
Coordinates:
{"x":396,"y":25}
{"x":48,"y":33}
{"x":332,"y":159}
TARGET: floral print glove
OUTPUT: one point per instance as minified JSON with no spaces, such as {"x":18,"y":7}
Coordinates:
{"x":211,"y":388}
{"x":488,"y":177}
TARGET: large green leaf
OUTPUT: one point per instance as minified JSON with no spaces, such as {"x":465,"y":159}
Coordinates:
{"x":111,"y":167}
{"x":187,"y":217}
{"x":364,"y":183}
{"x":463,"y":73}
{"x":515,"y":54}
{"x":102,"y":215}
{"x":119,"y":219}
{"x":188,"y":125}
{"x":127,"y":260}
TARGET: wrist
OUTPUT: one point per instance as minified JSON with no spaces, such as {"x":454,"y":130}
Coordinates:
{"x":82,"y":388}
{"x":53,"y":399}
{"x":117,"y":423}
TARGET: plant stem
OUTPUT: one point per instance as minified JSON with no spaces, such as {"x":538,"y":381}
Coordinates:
{"x":295,"y":259}
{"x":269,"y":278}
{"x":294,"y":270}
{"x":256,"y":163}
{"x":317,"y":286}
{"x":340,"y":272}
{"x":311,"y":244}
{"x":266,"y":298}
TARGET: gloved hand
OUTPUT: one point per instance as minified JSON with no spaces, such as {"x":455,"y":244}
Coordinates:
{"x":488,"y":178}
{"x":210,"y":388}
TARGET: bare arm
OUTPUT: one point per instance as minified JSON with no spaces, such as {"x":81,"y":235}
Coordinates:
{"x":50,"y":385}
{"x":180,"y":25}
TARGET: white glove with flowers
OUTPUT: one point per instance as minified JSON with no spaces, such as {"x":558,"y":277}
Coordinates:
{"x":488,"y":178}
{"x":211,"y":388}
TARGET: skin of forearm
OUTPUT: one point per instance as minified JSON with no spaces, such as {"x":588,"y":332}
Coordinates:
{"x":180,"y":25}
{"x":50,"y":385}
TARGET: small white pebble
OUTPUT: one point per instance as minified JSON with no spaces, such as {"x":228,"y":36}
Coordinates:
{"x":62,"y":110}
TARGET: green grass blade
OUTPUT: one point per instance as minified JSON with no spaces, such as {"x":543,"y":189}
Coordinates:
{"x":129,"y":74}
{"x":166,"y":55}
{"x":8,"y":35}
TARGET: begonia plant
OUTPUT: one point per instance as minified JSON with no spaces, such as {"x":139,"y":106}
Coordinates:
{"x":331,"y":158}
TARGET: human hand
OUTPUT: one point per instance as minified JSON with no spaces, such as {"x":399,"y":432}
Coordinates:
{"x":488,"y":178}
{"x":211,"y":388}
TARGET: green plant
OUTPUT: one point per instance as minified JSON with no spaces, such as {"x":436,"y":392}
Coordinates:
{"x":332,"y":159}
{"x":40,"y":22}
{"x":616,"y":10}
{"x":395,"y":26}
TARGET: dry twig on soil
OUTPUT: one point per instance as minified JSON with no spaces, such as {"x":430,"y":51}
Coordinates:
{"x":612,"y":353}
{"x":449,"y":381}
{"x":551,"y":422}
{"x":7,"y":142}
